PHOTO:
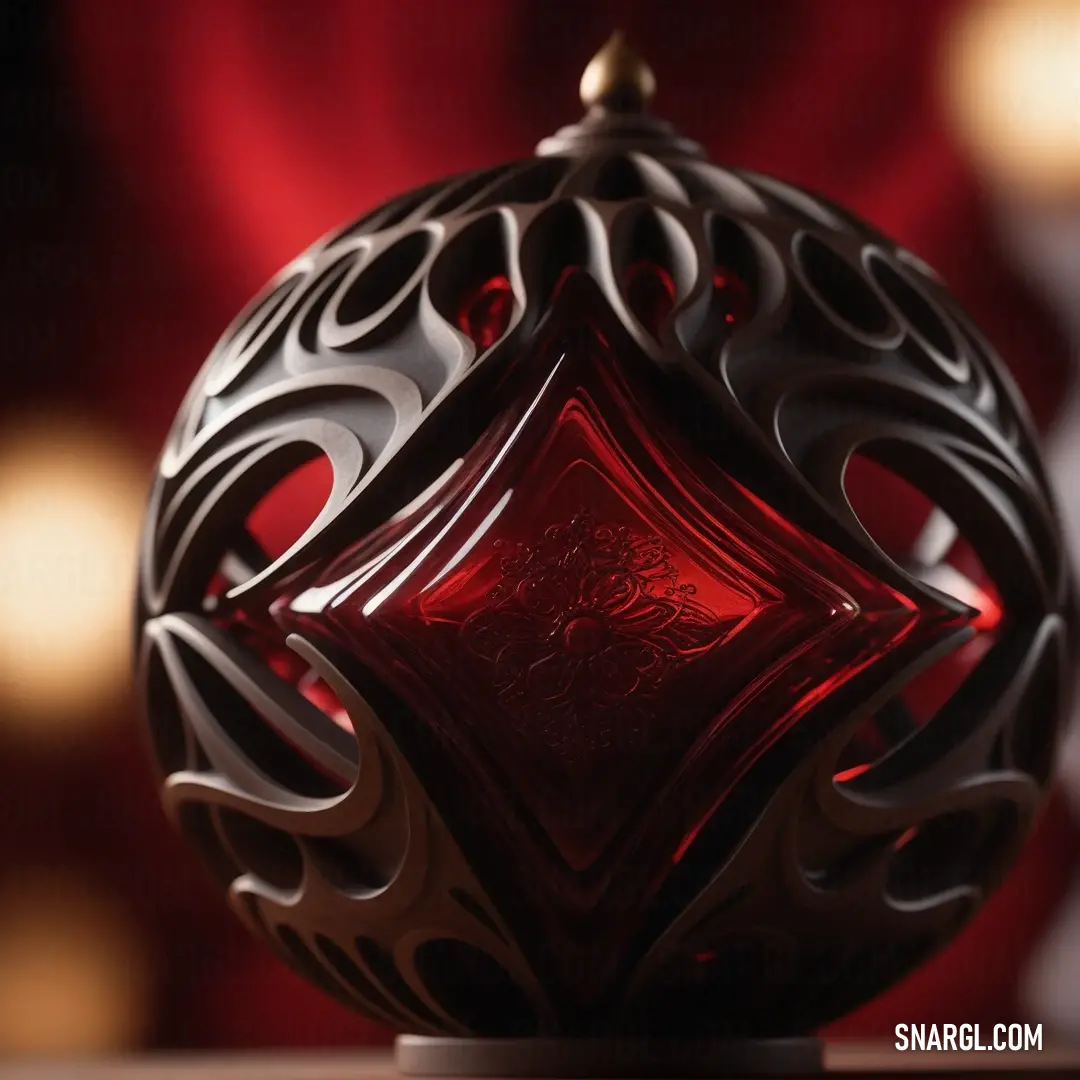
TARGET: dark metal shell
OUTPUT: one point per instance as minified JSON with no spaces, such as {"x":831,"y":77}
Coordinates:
{"x":353,"y":352}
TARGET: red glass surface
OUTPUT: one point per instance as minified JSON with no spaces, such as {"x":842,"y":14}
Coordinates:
{"x":273,"y":525}
{"x":732,"y":295}
{"x":897,"y":516}
{"x":605,"y":632}
{"x":484,"y":312}
{"x":650,"y":293}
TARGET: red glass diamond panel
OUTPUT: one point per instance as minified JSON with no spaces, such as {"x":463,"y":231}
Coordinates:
{"x":605,"y":631}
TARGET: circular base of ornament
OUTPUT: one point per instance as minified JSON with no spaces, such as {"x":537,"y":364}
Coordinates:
{"x":607,"y":1059}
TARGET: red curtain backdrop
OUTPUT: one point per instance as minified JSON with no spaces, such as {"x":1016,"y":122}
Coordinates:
{"x":220,"y":137}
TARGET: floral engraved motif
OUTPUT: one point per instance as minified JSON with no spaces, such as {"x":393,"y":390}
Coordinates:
{"x":582,"y":631}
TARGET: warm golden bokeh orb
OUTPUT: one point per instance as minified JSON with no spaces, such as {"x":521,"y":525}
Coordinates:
{"x":71,"y":499}
{"x":1011,"y":71}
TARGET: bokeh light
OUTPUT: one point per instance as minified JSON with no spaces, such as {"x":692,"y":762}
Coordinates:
{"x":71,"y":500}
{"x":74,"y":977}
{"x":1012,"y":88}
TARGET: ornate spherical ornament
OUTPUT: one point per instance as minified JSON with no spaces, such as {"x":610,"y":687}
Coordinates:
{"x":605,"y":593}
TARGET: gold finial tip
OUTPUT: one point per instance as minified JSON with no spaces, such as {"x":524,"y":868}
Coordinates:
{"x":617,"y":79}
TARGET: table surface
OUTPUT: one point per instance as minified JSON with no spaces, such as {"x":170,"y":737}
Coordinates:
{"x":850,"y":1059}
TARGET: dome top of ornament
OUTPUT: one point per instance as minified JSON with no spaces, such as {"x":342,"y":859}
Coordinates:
{"x":616,"y":89}
{"x":619,"y":152}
